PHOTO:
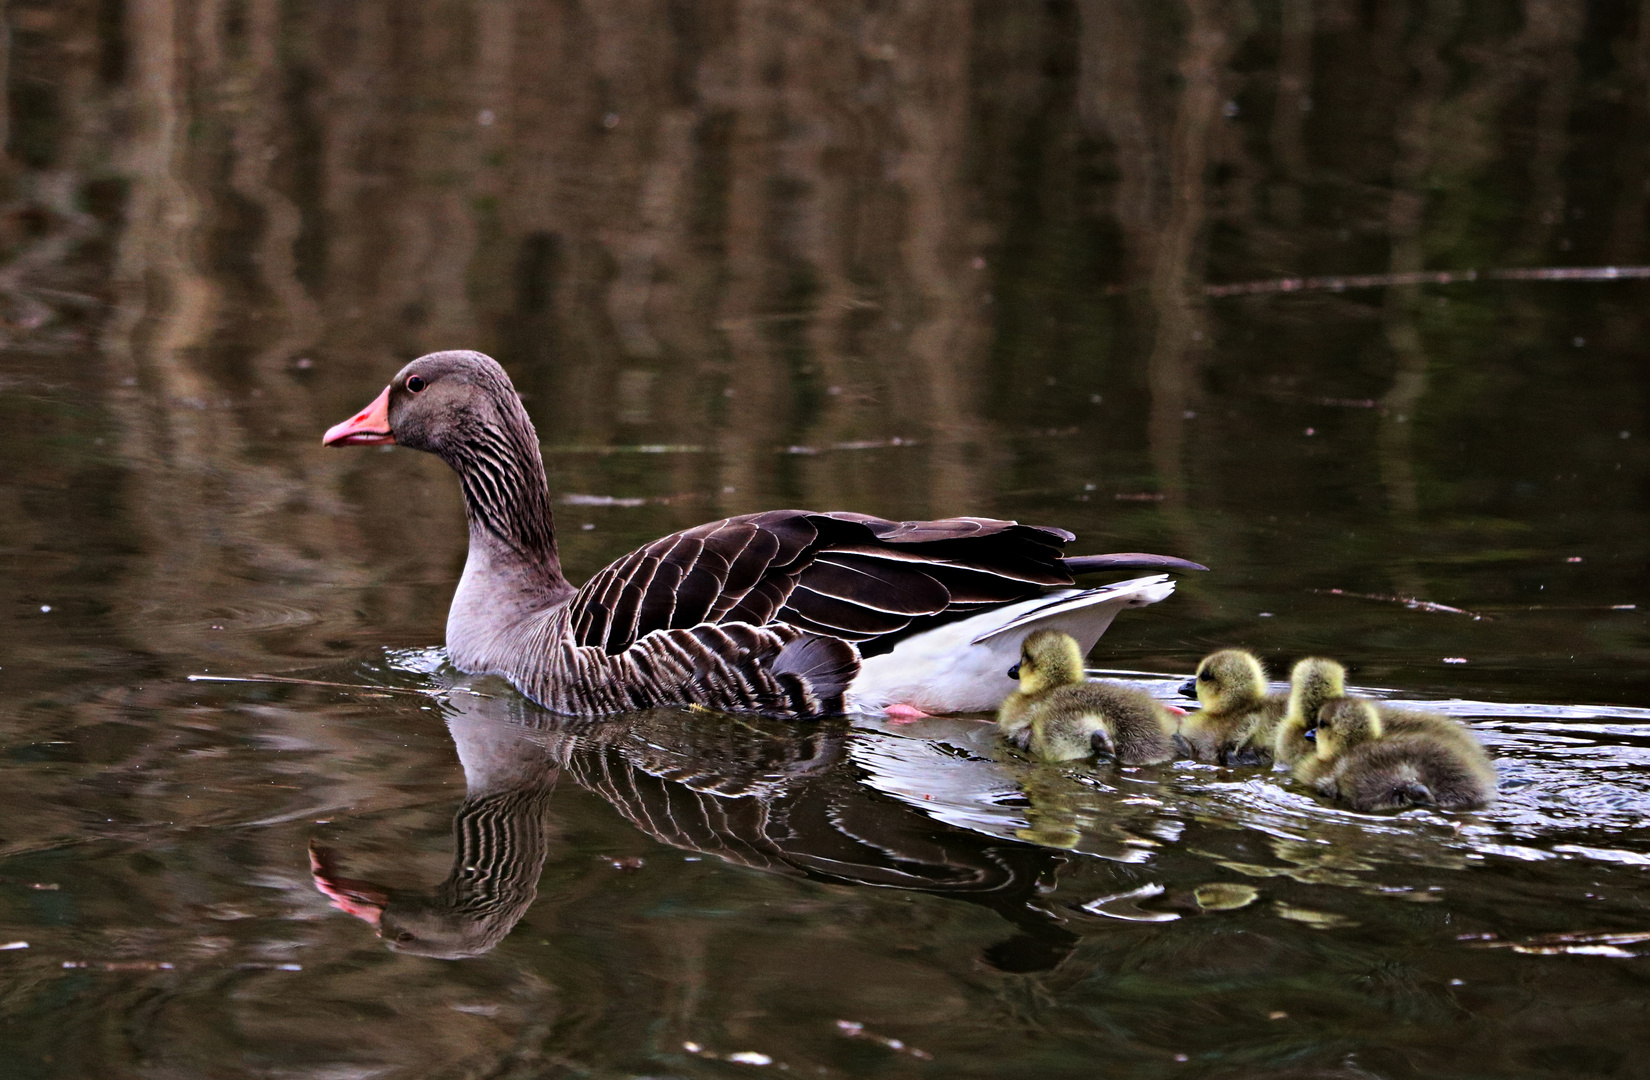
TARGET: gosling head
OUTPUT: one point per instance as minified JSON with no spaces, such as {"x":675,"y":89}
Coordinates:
{"x":1048,"y":658}
{"x":1342,"y":724}
{"x":1229,"y":678}
{"x":1312,"y":682}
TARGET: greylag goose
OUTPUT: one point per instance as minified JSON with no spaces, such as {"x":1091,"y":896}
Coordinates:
{"x":789,"y":613}
{"x":750,"y":793}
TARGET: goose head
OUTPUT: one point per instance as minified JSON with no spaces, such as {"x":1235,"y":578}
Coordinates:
{"x":502,"y":844}
{"x":1048,"y":658}
{"x":427,"y":926}
{"x":1342,"y":724}
{"x":1229,"y":679}
{"x":419,"y":925}
{"x":461,"y":406}
{"x":439,"y":403}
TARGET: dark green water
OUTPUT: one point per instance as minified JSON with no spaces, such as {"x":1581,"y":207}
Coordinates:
{"x":731,"y":253}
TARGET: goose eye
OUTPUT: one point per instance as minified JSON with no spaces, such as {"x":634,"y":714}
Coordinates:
{"x":406,"y":935}
{"x":414,"y":384}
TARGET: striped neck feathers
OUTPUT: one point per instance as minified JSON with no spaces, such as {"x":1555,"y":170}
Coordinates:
{"x":501,"y":842}
{"x":506,"y":497}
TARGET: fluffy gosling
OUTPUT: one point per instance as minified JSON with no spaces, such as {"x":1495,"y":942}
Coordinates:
{"x":1312,"y":682}
{"x":1358,"y":761}
{"x":1432,"y":725}
{"x":1237,"y":721}
{"x":1048,"y":661}
{"x":1058,"y":716}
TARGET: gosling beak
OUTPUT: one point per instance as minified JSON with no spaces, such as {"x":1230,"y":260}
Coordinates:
{"x":1188,"y":688}
{"x":369,"y":427}
{"x":1310,"y":734}
{"x":1014,"y":672}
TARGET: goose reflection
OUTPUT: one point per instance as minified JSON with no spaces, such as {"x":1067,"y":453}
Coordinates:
{"x":760,"y":794}
{"x":500,"y":841}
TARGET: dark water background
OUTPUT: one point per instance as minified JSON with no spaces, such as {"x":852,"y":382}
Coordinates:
{"x":731,"y":252}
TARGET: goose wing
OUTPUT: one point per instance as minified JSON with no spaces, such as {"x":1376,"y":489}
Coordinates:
{"x":841,"y":575}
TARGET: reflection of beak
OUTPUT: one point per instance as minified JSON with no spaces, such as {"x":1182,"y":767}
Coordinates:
{"x":370,"y":427}
{"x":1188,"y":688}
{"x":359,"y":898}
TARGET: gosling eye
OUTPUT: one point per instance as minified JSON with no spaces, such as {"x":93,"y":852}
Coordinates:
{"x":1014,"y":672}
{"x":1204,"y":676}
{"x":415,"y":384}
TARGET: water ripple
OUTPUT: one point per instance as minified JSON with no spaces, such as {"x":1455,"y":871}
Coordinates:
{"x":1565,"y":770}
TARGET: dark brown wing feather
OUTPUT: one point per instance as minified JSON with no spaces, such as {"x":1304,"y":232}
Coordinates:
{"x":845,"y":575}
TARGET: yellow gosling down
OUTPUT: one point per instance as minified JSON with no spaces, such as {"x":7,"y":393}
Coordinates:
{"x":1396,"y":721}
{"x":1238,"y":719}
{"x":1049,"y":660}
{"x":1058,"y":716}
{"x":1312,"y":682}
{"x":1366,"y":765}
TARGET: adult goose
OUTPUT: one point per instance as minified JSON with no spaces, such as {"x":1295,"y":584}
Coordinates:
{"x":789,"y":613}
{"x":750,"y":793}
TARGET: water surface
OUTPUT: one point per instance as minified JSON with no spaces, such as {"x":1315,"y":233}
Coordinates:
{"x":912,"y":260}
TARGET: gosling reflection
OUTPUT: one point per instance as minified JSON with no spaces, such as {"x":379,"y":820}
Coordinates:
{"x":755,"y":793}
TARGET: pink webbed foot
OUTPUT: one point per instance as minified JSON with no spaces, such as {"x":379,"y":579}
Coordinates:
{"x":905,"y":714}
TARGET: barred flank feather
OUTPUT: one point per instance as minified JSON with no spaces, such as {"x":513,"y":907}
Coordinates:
{"x":759,"y":613}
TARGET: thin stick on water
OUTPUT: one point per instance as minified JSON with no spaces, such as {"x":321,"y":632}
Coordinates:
{"x":283,"y":681}
{"x":1407,"y":601}
{"x":1563,"y":607}
{"x":1342,"y":282}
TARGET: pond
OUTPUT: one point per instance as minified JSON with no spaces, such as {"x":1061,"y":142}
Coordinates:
{"x":915,"y":260}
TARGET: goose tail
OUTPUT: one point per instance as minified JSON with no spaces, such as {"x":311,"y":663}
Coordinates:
{"x":962,"y":666}
{"x":1127,"y":560}
{"x":817,"y":670}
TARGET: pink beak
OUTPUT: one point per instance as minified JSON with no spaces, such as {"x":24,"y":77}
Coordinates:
{"x":359,"y":898}
{"x":369,"y":427}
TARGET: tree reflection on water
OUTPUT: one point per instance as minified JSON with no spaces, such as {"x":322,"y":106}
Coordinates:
{"x":907,"y":258}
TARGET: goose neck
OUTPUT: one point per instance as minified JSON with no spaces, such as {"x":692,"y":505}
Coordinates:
{"x":512,"y":576}
{"x":507,"y":501}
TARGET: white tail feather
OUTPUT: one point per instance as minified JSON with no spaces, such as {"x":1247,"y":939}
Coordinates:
{"x":963,"y":666}
{"x":1137,"y":592}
